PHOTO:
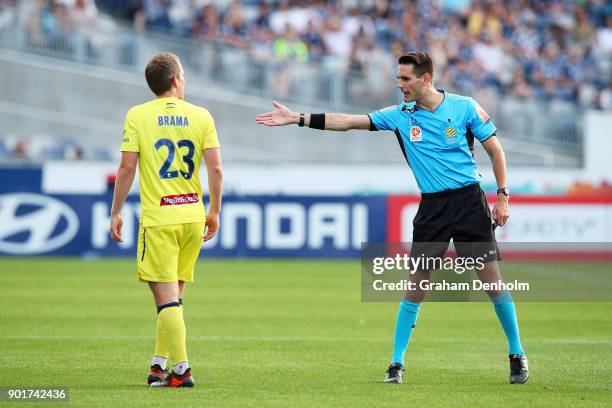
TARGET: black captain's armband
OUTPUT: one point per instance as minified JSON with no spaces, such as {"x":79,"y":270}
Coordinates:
{"x":373,"y":127}
{"x":317,"y":121}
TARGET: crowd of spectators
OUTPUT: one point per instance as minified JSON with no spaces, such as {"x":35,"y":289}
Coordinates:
{"x":539,"y":50}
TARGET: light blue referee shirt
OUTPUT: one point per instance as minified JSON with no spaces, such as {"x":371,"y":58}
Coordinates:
{"x":438,"y":145}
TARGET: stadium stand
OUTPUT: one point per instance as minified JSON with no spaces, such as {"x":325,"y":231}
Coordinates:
{"x":513,"y":49}
{"x":534,"y":71}
{"x":534,"y":50}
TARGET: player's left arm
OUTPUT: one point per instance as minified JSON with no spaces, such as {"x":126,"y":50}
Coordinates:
{"x":123,"y":183}
{"x":212,"y":158}
{"x":498,"y":160}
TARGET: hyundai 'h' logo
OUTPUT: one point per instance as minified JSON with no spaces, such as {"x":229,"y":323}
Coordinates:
{"x":34,"y":223}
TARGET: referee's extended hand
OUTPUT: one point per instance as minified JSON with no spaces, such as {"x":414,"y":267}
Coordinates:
{"x":280,"y":117}
{"x":500,"y":212}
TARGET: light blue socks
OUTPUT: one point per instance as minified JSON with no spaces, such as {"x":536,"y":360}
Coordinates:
{"x":504,"y":307}
{"x":406,"y":319}
{"x":408,"y":313}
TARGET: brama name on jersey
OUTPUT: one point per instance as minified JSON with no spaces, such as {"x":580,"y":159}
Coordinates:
{"x":172,"y":121}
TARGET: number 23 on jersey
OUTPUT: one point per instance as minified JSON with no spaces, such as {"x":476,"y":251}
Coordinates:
{"x":185,"y":148}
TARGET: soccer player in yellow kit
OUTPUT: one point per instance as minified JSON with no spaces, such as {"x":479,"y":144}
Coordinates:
{"x":167,"y":137}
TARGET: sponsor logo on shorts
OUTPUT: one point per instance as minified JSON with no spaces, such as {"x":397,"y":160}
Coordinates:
{"x":415,"y":134}
{"x":180,"y":199}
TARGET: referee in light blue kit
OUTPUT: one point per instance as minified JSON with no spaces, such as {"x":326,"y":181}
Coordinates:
{"x":436,"y":132}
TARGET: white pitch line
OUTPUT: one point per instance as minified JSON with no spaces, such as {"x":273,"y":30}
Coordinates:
{"x":293,"y":338}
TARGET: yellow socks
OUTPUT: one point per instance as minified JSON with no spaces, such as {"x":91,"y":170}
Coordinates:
{"x":171,"y":333}
{"x":160,"y":344}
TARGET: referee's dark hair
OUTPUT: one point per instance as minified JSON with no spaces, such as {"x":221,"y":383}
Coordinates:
{"x":161,"y":70}
{"x":420,"y":60}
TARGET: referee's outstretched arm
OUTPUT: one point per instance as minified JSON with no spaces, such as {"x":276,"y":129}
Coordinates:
{"x":329,"y":121}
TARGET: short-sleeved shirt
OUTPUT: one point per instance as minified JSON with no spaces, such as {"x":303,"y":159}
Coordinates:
{"x":438,"y":145}
{"x":170,"y":136}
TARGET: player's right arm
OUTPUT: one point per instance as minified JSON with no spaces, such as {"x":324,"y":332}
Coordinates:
{"x":282,"y":116}
{"x":123,"y":183}
{"x":125,"y":173}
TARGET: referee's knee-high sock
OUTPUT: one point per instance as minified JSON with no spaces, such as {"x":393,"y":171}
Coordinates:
{"x":406,"y":320}
{"x":506,"y":313}
{"x":172,"y":327}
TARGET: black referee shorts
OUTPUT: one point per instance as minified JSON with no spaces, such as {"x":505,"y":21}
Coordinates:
{"x":461,"y":214}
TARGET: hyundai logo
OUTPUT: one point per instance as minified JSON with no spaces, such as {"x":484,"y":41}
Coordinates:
{"x":34,"y":223}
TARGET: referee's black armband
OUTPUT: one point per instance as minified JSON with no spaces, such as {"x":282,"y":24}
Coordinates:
{"x":317,"y":121}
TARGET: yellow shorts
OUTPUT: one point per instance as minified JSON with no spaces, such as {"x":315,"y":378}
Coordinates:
{"x":168,"y":253}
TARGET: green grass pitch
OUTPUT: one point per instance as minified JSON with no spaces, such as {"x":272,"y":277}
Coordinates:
{"x":290,"y":333}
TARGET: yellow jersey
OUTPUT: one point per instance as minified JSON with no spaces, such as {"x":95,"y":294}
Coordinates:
{"x":170,"y":136}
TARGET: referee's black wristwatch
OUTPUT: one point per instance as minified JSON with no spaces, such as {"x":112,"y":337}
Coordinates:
{"x":503,"y":191}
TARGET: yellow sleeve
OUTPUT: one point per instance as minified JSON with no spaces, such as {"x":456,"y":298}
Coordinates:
{"x":129,"y":139}
{"x":210,"y":132}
